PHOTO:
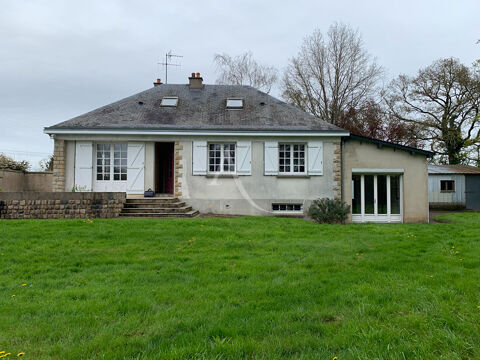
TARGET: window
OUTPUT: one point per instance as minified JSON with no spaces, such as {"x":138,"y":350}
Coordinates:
{"x":291,"y":158}
{"x":234,"y":103}
{"x":287,"y":207}
{"x":120,"y":162}
{"x":169,"y":101}
{"x":376,"y":197}
{"x":447,"y":185}
{"x":107,"y":171}
{"x":356,"y":194}
{"x":103,"y":161}
{"x":221,"y":158}
{"x":395,"y":194}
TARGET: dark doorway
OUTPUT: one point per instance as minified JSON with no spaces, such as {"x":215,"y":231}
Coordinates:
{"x":164,"y":168}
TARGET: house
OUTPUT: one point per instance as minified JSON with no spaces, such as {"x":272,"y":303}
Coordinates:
{"x":236,"y":150}
{"x":454,"y":186}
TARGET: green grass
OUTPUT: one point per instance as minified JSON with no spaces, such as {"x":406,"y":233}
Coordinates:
{"x":263,"y":288}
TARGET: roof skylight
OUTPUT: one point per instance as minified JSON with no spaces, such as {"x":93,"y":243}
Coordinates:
{"x":169,"y":101}
{"x":234,"y":103}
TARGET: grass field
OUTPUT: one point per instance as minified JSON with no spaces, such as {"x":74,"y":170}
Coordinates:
{"x":261,"y":288}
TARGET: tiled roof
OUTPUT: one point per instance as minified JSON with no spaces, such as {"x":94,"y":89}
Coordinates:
{"x":199,"y":109}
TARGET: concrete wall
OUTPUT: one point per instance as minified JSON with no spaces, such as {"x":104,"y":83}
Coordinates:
{"x":11,"y":180}
{"x":14,"y":180}
{"x":438,"y":198}
{"x":254,"y":194}
{"x":365,"y":155}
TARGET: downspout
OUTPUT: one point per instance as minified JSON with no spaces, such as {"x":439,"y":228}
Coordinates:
{"x":341,"y":166}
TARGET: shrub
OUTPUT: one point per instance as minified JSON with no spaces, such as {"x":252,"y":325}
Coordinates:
{"x":8,"y":163}
{"x":329,"y":211}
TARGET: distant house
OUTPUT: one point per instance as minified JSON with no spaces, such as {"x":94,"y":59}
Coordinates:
{"x":454,"y":186}
{"x":225,"y":149}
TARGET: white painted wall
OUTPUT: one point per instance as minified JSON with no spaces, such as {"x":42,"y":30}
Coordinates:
{"x":242,"y":195}
{"x":436,"y":196}
{"x":253,"y":194}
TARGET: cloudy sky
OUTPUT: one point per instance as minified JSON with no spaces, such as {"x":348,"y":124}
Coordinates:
{"x":59,"y":59}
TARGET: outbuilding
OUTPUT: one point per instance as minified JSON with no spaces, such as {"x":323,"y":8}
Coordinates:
{"x":454,"y":187}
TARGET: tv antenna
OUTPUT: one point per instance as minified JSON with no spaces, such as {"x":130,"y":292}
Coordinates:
{"x":168,"y":62}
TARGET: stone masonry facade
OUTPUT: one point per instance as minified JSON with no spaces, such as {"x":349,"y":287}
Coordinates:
{"x":178,"y":172}
{"x":59,"y":166}
{"x":65,"y":205}
{"x":337,"y":171}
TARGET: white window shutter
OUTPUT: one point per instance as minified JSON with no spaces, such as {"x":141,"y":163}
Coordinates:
{"x":199,"y":158}
{"x":83,"y":165}
{"x":271,"y":158}
{"x":136,"y":168}
{"x":244,"y":157}
{"x":315,"y":158}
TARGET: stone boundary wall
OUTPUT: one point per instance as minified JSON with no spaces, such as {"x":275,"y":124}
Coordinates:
{"x":16,"y":180}
{"x":60,"y":205}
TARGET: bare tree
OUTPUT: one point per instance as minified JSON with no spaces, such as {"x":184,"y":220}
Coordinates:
{"x":47,"y":164}
{"x":244,"y":70}
{"x":371,"y":120}
{"x":443,"y":99}
{"x":331,"y":75}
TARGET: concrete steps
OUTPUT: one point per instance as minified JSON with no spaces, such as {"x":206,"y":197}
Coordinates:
{"x":157,"y":207}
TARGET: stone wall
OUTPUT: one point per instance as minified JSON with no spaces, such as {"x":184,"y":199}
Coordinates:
{"x":178,"y":167}
{"x":337,"y":170}
{"x":16,"y":180}
{"x":55,"y":205}
{"x":59,"y":166}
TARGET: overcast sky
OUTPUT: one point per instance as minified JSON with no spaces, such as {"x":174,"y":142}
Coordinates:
{"x":59,"y":59}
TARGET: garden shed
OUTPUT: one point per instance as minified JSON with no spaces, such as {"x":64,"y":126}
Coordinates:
{"x":454,"y":186}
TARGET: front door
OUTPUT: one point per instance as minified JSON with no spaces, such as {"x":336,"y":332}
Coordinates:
{"x":376,"y":198}
{"x":164,"y":170}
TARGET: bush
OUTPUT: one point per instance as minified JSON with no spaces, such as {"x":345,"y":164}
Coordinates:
{"x":8,"y":163}
{"x":329,"y":211}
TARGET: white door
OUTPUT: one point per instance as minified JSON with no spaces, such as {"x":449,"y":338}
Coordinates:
{"x":111,"y":167}
{"x":377,"y":198}
{"x":83,"y":166}
{"x":136,"y":168}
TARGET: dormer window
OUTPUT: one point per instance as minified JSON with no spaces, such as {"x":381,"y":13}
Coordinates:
{"x":234,"y":103}
{"x":169,"y":101}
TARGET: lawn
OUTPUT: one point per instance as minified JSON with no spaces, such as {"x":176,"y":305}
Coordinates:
{"x":261,"y":288}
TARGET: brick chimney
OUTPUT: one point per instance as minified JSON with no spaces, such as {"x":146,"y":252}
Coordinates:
{"x":158,"y":82}
{"x":195,"y":81}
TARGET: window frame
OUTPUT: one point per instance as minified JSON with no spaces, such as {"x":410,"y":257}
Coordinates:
{"x":235,"y":107}
{"x":286,"y":211}
{"x":447,"y":181}
{"x":169,"y":98}
{"x":112,"y":165}
{"x":103,"y":159}
{"x":292,"y":151}
{"x":222,"y":158}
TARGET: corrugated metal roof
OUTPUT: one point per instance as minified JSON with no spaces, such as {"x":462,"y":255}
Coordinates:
{"x":453,"y":169}
{"x":199,"y":109}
